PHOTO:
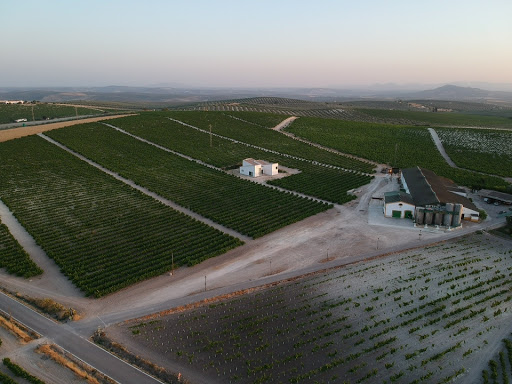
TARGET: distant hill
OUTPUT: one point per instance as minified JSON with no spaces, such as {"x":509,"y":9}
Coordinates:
{"x":454,"y":92}
{"x":168,"y":95}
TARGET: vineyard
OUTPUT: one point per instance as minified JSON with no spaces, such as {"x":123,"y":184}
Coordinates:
{"x":500,"y":372}
{"x":102,"y":234}
{"x":395,"y":145}
{"x":440,"y":118}
{"x":42,"y":111}
{"x":327,"y":183}
{"x":483,"y":150}
{"x":424,"y":315}
{"x":14,"y":258}
{"x":246,"y":207}
{"x":225,"y":125}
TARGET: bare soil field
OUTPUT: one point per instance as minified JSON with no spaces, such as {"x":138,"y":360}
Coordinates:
{"x":15,"y":133}
{"x":426,"y":314}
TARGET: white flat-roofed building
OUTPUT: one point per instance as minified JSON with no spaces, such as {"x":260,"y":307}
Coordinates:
{"x":255,"y":168}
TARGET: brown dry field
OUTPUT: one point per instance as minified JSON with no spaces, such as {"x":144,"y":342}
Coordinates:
{"x":15,"y":133}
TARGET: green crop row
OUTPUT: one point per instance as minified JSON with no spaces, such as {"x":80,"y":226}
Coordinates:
{"x":103,"y":234}
{"x":14,"y":258}
{"x":249,"y":208}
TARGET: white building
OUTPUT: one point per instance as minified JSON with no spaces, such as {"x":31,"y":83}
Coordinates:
{"x":399,"y":205}
{"x":255,"y":168}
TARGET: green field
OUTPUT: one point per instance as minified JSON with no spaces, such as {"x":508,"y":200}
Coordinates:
{"x":263,"y":137}
{"x":484,"y":150}
{"x":103,"y":234}
{"x":246,"y":207}
{"x":396,"y":145}
{"x":442,"y":118}
{"x":322,"y":182}
{"x":11,"y":112}
{"x":14,"y":258}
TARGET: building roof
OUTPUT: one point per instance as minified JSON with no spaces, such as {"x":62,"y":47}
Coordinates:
{"x":251,"y":161}
{"x":398,"y":196}
{"x":445,"y":190}
{"x":421,"y":192}
{"x":427,"y":188}
{"x":504,"y":197}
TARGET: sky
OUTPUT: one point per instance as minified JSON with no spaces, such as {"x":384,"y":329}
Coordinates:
{"x":254,"y":43}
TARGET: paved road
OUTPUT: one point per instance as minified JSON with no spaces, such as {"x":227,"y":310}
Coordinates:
{"x":65,"y":337}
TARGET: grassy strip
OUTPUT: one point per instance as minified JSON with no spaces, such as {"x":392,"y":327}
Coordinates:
{"x":78,"y":367}
{"x":17,"y":329}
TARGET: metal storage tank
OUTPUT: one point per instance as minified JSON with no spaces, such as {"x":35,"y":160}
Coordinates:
{"x":420,"y":216}
{"x":438,"y":218}
{"x":448,"y":216}
{"x":457,"y":213}
{"x":429,"y":215}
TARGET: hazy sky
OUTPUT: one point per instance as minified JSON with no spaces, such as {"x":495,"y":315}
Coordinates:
{"x":254,"y":42}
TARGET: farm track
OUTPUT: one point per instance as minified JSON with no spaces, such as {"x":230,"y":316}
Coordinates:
{"x":440,"y":148}
{"x":153,"y":195}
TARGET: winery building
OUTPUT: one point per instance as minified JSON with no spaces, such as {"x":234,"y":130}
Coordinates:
{"x":429,"y":200}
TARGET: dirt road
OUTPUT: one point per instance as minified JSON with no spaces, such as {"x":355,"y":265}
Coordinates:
{"x":440,"y":148}
{"x":15,"y":133}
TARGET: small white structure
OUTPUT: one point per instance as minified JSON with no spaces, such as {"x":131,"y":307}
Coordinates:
{"x":255,"y":168}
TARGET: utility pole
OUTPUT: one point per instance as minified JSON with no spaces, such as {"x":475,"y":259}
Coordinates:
{"x":76,"y":112}
{"x":172,"y":263}
{"x":205,"y":283}
{"x":396,"y":150}
{"x":378,"y":242}
{"x":33,"y":119}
